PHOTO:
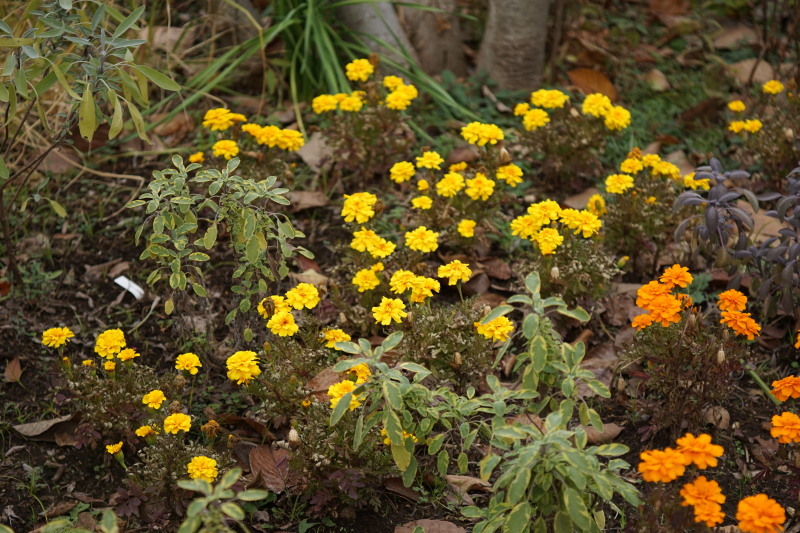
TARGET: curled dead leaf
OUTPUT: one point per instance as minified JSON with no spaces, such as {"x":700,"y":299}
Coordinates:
{"x":718,"y":415}
{"x":270,"y":467}
{"x":610,"y":432}
{"x":307,"y":199}
{"x":592,"y":81}
{"x":395,"y":484}
{"x":13,"y":370}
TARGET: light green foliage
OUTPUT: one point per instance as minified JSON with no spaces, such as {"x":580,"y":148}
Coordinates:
{"x":108,"y":524}
{"x":217,"y":504}
{"x":183,"y":199}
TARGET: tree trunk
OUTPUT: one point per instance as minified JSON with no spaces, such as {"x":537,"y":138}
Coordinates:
{"x":377,"y":23}
{"x":436,"y":37}
{"x":513,"y":46}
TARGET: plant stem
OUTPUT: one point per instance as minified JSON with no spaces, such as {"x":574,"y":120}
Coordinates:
{"x":763,"y":386}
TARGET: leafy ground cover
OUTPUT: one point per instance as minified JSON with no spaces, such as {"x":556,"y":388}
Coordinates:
{"x":550,"y":319}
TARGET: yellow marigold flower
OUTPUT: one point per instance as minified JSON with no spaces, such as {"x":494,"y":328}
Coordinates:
{"x":788,"y":387}
{"x":422,"y":202}
{"x":197,"y":157}
{"x":482,"y":134}
{"x":676,"y":276}
{"x":366,"y":280}
{"x":154,"y":399}
{"x":283,"y":324}
{"x":548,"y":240}
{"x":480,"y":187}
{"x":56,"y":337}
{"x":752,"y":125}
{"x":665,"y":309}
{"x":691,"y":183}
{"x":127,"y":354}
{"x":114,"y":448}
{"x":772,"y":87}
{"x":521,"y":109}
{"x":392,"y":82}
{"x":732,"y":300}
{"x":466,"y":228}
{"x":401,"y":281}
{"x":455,"y":271}
{"x":242,"y":367}
{"x":189,"y":362}
{"x":306,"y":403}
{"x":389,"y":309}
{"x":109,"y":343}
{"x":511,"y":174}
{"x":549,"y":98}
{"x":324,"y":103}
{"x":430,"y":160}
{"x":618,"y":183}
{"x":642,"y":321}
{"x":110,"y":366}
{"x":662,"y":466}
{"x":450,"y":184}
{"x":145,"y":431}
{"x":700,"y":491}
{"x":362,"y":372}
{"x":202,"y":467}
{"x":406,"y":435}
{"x":87,"y":362}
{"x":303,"y":295}
{"x":647,"y":293}
{"x":364,"y":240}
{"x":699,"y":450}
{"x":338,"y":390}
{"x":650,"y":200}
{"x":736,"y":126}
{"x":546,"y":211}
{"x":535,"y":119}
{"x":422,"y":239}
{"x":359,"y":70}
{"x":402,"y":171}
{"x":457,"y":167}
{"x":665,"y":168}
{"x":358,"y":207}
{"x":597,"y":205}
{"x":617,"y":118}
{"x":221,"y":119}
{"x":526,"y":226}
{"x":583,"y":222}
{"x":177,"y":422}
{"x":423,"y":287}
{"x":332,"y":336}
{"x":423,"y":185}
{"x":264,"y":135}
{"x":760,"y":514}
{"x":709,"y":514}
{"x":352,"y":103}
{"x":400,"y":98}
{"x":596,"y":105}
{"x":382,"y":248}
{"x":651,"y":160}
{"x":741,"y":323}
{"x":736,"y":106}
{"x":289,"y":140}
{"x":631,"y":166}
{"x":786,"y":427}
{"x":498,"y":329}
{"x":225,"y":148}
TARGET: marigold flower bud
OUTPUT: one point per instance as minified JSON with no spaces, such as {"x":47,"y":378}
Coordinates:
{"x":555,"y":273}
{"x":179,"y":382}
{"x":720,"y":356}
{"x":294,"y":437}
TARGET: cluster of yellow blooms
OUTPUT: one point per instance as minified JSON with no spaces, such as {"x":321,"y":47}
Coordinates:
{"x":482,"y":134}
{"x":202,"y":467}
{"x":281,"y":321}
{"x":636,"y":162}
{"x":272,"y":136}
{"x":752,"y":125}
{"x":399,"y":97}
{"x":755,"y":514}
{"x":338,"y":390}
{"x":535,"y":224}
{"x":595,"y":105}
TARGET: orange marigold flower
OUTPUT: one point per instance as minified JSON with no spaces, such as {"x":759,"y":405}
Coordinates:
{"x":786,"y":427}
{"x":662,"y":465}
{"x":642,"y":321}
{"x":699,"y":450}
{"x":709,"y":513}
{"x":685,"y":300}
{"x":741,"y":323}
{"x":732,"y":300}
{"x":788,"y":387}
{"x":700,"y":491}
{"x":797,"y":341}
{"x":647,"y":293}
{"x":676,"y":276}
{"x":665,"y":309}
{"x":760,"y":514}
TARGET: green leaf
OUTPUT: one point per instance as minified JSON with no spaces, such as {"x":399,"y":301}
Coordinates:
{"x":612,"y":449}
{"x":519,"y":519}
{"x":191,"y":524}
{"x":62,"y":80}
{"x":487,"y":465}
{"x":169,"y":305}
{"x":358,"y":432}
{"x":198,"y":256}
{"x":252,"y":495}
{"x":341,"y":408}
{"x":230,"y":477}
{"x":578,"y":314}
{"x":410,"y":473}
{"x":129,"y":21}
{"x":232,"y":510}
{"x":391,"y":342}
{"x":435,"y":443}
{"x":533,"y":283}
{"x":463,"y":463}
{"x":87,"y":117}
{"x":394,"y":428}
{"x":530,"y":326}
{"x":58,"y":208}
{"x":391,"y":391}
{"x":442,"y":462}
{"x":401,"y":456}
{"x":199,"y":290}
{"x":497,"y":312}
{"x":210,"y":237}
{"x":138,"y":121}
{"x":348,"y":347}
{"x":116,"y":117}
{"x":562,"y":522}
{"x":109,"y":522}
{"x":252,"y":250}
{"x":577,"y":509}
{"x":158,"y":78}
{"x":56,"y":525}
{"x":518,"y":486}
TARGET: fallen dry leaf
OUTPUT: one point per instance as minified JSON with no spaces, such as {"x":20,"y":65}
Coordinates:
{"x":718,"y":415}
{"x":495,"y":268}
{"x":306,"y":199}
{"x":322,"y":381}
{"x":315,"y":152}
{"x":13,"y":370}
{"x":656,"y":80}
{"x":669,"y":8}
{"x":47,"y":430}
{"x":592,"y":81}
{"x":5,"y":288}
{"x":460,"y":154}
{"x":395,"y":484}
{"x":602,"y":361}
{"x":609,"y":433}
{"x":173,"y":39}
{"x":764,"y":227}
{"x":679,"y":159}
{"x":580,"y":200}
{"x":735,"y":37}
{"x":270,"y":467}
{"x":479,"y":284}
{"x":310,"y":276}
{"x":741,"y":71}
{"x":430,"y":526}
{"x":58,"y":509}
{"x":527,"y":419}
